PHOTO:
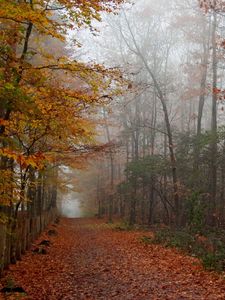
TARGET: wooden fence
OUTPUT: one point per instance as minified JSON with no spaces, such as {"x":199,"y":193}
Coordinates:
{"x":15,"y":239}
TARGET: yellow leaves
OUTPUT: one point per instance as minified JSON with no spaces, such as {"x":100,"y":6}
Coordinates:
{"x":83,"y":129}
{"x":55,"y":115}
{"x":40,"y":14}
{"x":6,"y":152}
{"x":25,"y":13}
{"x":44,"y":107}
{"x":45,"y":96}
{"x":36,"y":161}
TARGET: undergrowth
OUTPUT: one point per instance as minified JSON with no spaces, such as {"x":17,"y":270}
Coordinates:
{"x":209,"y":248}
{"x":125,"y":226}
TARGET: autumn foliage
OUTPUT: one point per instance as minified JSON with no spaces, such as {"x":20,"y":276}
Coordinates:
{"x":47,"y":99}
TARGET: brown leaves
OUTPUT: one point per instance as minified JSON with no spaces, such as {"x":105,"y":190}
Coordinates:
{"x":90,"y":260}
{"x":217,"y":5}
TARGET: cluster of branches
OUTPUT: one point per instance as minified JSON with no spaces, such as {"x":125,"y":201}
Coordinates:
{"x":172,"y":120}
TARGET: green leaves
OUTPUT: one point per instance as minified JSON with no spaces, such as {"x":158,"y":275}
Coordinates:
{"x":147,"y":167}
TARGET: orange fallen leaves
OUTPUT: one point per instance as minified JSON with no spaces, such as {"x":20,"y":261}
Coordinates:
{"x":89,"y":260}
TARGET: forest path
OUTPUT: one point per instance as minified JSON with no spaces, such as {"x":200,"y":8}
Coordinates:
{"x":89,"y":260}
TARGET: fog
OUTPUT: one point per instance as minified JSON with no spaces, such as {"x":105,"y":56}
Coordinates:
{"x":70,"y":206}
{"x":165,"y":108}
{"x":170,"y":55}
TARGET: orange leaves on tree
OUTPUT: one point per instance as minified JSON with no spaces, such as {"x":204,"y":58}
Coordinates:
{"x":46,"y":97}
{"x":35,"y":161}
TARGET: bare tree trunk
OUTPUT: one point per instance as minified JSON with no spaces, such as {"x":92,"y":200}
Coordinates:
{"x":213,"y":167}
{"x":168,"y":127}
{"x":204,"y":67}
{"x":110,"y":210}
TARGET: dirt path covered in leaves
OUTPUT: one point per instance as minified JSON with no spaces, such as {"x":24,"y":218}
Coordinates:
{"x":89,"y":260}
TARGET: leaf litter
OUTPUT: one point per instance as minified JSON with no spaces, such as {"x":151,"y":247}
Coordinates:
{"x":88,"y":260}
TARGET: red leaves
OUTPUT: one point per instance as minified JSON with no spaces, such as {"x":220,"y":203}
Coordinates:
{"x":220,"y":93}
{"x":218,"y":5}
{"x":89,"y":260}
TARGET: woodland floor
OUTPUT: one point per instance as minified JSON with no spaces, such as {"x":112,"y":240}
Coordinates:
{"x":90,"y":260}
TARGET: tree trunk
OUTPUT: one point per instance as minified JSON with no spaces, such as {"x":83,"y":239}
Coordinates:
{"x":168,"y":127}
{"x":213,"y":167}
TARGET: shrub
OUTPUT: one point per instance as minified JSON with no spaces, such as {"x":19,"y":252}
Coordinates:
{"x":210,"y":249}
